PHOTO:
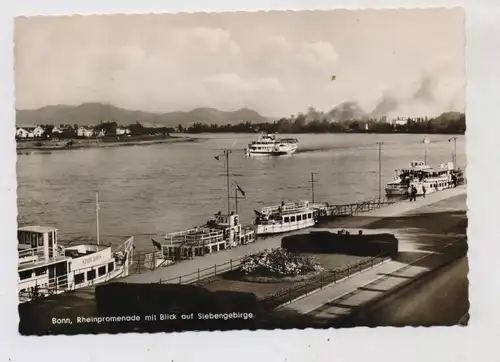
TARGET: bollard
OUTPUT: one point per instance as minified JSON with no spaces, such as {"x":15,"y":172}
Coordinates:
{"x":180,"y":276}
{"x":231,"y":264}
{"x":215,"y":269}
{"x":160,"y":280}
{"x":198,"y":274}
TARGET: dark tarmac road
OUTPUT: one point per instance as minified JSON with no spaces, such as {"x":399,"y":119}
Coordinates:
{"x":439,"y":298}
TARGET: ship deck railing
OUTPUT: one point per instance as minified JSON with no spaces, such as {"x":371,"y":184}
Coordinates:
{"x":211,"y":235}
{"x":286,"y":208}
{"x":35,"y":257}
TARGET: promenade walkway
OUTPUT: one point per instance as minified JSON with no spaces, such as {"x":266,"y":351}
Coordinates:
{"x":342,"y":298}
{"x":207,"y":261}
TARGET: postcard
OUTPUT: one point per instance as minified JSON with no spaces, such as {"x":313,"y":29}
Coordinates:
{"x":241,"y":171}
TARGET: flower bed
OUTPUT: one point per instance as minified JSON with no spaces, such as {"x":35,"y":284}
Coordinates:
{"x":278,"y":265}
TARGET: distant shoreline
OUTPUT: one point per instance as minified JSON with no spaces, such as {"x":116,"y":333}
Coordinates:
{"x":71,"y":144}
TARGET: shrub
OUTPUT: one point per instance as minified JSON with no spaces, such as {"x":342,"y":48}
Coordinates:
{"x":278,"y":263}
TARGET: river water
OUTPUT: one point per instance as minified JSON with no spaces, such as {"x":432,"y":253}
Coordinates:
{"x":152,"y":189}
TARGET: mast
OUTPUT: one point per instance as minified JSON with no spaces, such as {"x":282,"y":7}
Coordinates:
{"x":97,"y":214}
{"x":236,"y":198}
{"x":226,"y":153}
{"x":228,"y":184}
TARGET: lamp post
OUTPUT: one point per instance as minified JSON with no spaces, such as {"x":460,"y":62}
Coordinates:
{"x":312,"y":185}
{"x":454,"y":155}
{"x":380,"y":169}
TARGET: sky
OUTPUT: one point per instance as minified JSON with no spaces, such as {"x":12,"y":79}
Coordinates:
{"x":390,"y":62}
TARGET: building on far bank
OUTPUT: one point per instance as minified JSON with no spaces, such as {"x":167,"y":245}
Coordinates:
{"x":57,"y":131}
{"x":84,"y":132}
{"x":24,"y":132}
{"x":122,"y":131}
{"x":39,"y":131}
{"x":29,"y":132}
{"x":399,"y":121}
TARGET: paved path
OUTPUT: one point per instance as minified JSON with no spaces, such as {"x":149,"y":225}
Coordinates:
{"x":337,"y":296}
{"x":172,"y":272}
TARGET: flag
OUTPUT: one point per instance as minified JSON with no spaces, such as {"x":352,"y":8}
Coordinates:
{"x":156,"y":244}
{"x":334,"y":77}
{"x":240,"y":189}
{"x":257,"y":213}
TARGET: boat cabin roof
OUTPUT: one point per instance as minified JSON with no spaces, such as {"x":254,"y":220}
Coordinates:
{"x":435,"y":170}
{"x":417,"y":163}
{"x":37,"y":229}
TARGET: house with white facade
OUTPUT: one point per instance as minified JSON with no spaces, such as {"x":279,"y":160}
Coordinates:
{"x":39,"y":131}
{"x":24,"y":132}
{"x":399,"y":121}
{"x":122,"y":131}
{"x":30,"y":132}
{"x":84,"y":132}
{"x":57,"y":131}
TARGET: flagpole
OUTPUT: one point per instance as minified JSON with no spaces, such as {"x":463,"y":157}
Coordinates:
{"x":97,"y":214}
{"x":236,"y":199}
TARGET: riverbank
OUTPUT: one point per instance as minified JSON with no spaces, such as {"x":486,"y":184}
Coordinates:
{"x":118,"y":141}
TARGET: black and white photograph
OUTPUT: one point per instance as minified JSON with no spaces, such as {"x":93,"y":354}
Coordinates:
{"x":241,"y":171}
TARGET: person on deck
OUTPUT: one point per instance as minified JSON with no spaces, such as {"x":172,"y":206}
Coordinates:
{"x":423,"y":190}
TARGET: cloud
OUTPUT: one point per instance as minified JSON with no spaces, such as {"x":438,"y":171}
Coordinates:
{"x":317,"y":54}
{"x":277,"y":63}
{"x":235,"y":82}
{"x":203,"y":39}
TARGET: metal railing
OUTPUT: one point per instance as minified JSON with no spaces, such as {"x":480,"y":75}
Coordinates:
{"x":322,"y":280}
{"x":204,"y":274}
{"x":357,"y":208}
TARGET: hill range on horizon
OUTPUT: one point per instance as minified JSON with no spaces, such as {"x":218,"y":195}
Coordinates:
{"x":89,"y":114}
{"x":94,"y":113}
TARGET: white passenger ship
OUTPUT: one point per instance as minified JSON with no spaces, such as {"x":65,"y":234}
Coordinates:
{"x":402,"y":178}
{"x":284,"y":218}
{"x":221,"y":233}
{"x":421,"y":175}
{"x":270,"y":145}
{"x":46,"y":268}
{"x":435,"y":179}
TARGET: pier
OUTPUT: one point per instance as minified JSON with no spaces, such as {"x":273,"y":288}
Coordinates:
{"x":211,"y":264}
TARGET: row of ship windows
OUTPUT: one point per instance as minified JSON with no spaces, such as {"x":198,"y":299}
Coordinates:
{"x":439,"y":184}
{"x":79,"y":278}
{"x":91,"y":274}
{"x":297,"y":217}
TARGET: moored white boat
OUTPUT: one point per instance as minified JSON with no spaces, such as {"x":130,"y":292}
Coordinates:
{"x":435,"y":179}
{"x":221,"y":233}
{"x":284,"y":218}
{"x":46,"y":268}
{"x":402,"y":178}
{"x":270,"y":145}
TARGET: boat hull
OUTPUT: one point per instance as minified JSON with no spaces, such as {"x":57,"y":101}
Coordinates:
{"x":396,"y":191}
{"x":291,"y":151}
